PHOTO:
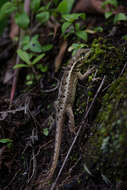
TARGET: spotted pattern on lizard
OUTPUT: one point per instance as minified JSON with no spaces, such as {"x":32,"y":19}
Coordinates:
{"x":65,"y":101}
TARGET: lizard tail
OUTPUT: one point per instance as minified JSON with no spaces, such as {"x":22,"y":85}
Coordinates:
{"x":56,"y":152}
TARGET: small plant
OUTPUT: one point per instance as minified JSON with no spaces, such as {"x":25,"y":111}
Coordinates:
{"x":27,"y":58}
{"x":9,"y":142}
{"x":114,"y":4}
{"x":124,"y":37}
{"x":31,"y":54}
{"x":31,"y":51}
{"x":30,"y":61}
{"x":70,"y":26}
{"x":120,"y":17}
{"x":65,"y":6}
{"x":46,"y":131}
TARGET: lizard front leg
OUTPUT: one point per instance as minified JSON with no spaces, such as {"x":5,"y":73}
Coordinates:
{"x":86,"y":74}
{"x":70,"y":115}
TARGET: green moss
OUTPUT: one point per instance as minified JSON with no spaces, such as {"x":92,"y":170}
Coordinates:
{"x":108,"y":59}
{"x":109,"y":142}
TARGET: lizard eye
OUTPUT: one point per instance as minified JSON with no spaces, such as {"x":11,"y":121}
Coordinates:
{"x":82,"y":55}
{"x":84,"y":52}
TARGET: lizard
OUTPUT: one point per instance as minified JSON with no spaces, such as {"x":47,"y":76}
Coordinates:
{"x":65,"y":100}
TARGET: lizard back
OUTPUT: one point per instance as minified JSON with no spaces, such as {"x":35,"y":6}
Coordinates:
{"x":65,"y":96}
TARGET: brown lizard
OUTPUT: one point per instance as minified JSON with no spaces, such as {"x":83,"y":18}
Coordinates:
{"x":65,"y":101}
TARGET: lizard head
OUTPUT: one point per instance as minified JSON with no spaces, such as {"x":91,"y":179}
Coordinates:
{"x":82,"y":54}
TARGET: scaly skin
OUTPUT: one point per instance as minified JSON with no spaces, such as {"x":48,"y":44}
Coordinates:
{"x":65,"y":101}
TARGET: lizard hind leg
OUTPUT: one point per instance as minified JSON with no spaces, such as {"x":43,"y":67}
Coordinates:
{"x":70,"y":115}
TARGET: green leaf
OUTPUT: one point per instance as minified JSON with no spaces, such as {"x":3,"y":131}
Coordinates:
{"x":65,"y":6}
{"x":82,"y":34}
{"x":42,"y":68}
{"x":6,"y":10}
{"x":108,"y":14}
{"x":25,"y":39}
{"x":111,"y":2}
{"x":48,"y":6}
{"x":35,"y":5}
{"x":31,"y":44}
{"x":19,"y":66}
{"x":37,"y":59}
{"x":65,"y":26}
{"x":124,"y":37}
{"x":6,"y":141}
{"x":24,"y":56}
{"x":45,"y":8}
{"x":30,"y":77}
{"x":77,"y":26}
{"x":98,"y":29}
{"x":120,"y":17}
{"x":30,"y":82}
{"x":26,"y":47}
{"x":25,"y":42}
{"x":34,"y":45}
{"x":22,"y":20}
{"x":76,"y":46}
{"x":46,"y":131}
{"x":47,"y":47}
{"x":43,"y":17}
{"x":83,"y":16}
{"x":71,"y":31}
{"x":3,"y":21}
{"x":72,"y":17}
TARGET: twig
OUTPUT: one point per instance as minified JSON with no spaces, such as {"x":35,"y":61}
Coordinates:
{"x":4,"y":114}
{"x":34,"y":163}
{"x":16,"y":72}
{"x":77,"y":134}
{"x":13,"y":111}
{"x":123,"y":68}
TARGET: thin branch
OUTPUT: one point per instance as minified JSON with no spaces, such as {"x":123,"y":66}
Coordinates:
{"x":16,"y":72}
{"x":123,"y":68}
